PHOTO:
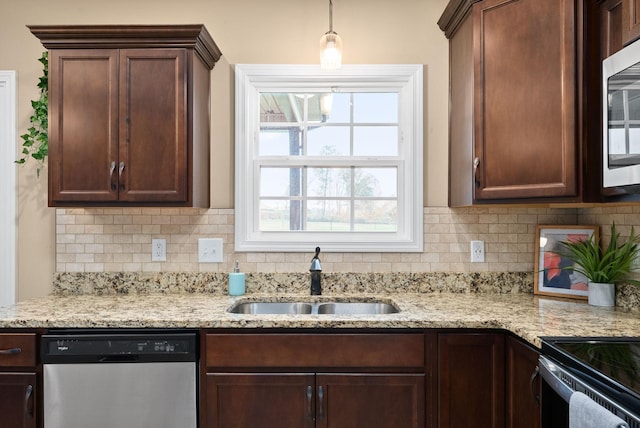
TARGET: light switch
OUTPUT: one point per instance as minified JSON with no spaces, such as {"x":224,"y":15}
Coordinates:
{"x":210,"y":250}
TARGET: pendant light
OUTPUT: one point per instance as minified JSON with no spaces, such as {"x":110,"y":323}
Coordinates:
{"x":330,"y":46}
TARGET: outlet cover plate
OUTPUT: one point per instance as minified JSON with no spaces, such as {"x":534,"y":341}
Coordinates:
{"x":210,"y":250}
{"x":477,"y":251}
{"x":158,"y":250}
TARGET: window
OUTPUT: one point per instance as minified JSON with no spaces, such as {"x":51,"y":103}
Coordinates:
{"x":330,"y":159}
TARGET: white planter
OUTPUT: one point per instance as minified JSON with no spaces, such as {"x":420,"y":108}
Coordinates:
{"x":602,"y":294}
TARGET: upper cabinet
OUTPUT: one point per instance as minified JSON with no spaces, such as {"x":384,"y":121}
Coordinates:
{"x":129,"y":114}
{"x":630,"y":20}
{"x":514,"y":100}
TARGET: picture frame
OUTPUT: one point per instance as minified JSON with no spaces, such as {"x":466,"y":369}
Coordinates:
{"x":553,"y":275}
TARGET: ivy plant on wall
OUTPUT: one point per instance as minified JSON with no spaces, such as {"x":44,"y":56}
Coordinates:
{"x":36,"y":141}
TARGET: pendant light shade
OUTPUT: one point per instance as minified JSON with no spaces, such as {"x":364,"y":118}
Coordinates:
{"x":330,"y":46}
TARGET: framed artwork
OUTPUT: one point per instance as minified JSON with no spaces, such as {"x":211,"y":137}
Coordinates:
{"x":553,"y":273}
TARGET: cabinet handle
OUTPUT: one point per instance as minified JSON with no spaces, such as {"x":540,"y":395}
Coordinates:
{"x":309,"y":404}
{"x":120,"y":175}
{"x":320,"y":403}
{"x":476,"y":164}
{"x":11,"y":351}
{"x":28,"y":403}
{"x":534,"y":375}
{"x":112,"y":168}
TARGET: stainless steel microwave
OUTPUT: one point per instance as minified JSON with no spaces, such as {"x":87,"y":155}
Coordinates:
{"x":621,"y":119}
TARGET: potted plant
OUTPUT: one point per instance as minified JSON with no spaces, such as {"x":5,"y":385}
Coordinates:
{"x":603,"y":267}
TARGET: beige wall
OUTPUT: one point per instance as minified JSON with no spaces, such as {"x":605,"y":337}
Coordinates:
{"x":247,"y":31}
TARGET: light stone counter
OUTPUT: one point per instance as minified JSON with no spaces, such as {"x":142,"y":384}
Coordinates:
{"x":528,"y":317}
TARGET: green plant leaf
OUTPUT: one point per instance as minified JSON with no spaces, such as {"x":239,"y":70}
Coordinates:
{"x":36,"y":142}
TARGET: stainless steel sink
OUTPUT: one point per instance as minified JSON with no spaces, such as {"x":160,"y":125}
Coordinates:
{"x":271,"y":308}
{"x":356,"y":308}
{"x":319,"y":308}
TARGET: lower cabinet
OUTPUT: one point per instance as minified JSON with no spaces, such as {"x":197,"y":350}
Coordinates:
{"x":315,"y":400}
{"x":18,"y":380}
{"x":471,"y":380}
{"x":17,"y":400}
{"x":314,"y":380}
{"x":523,"y":385}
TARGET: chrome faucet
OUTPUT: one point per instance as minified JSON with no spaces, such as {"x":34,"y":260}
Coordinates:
{"x":316,"y":278}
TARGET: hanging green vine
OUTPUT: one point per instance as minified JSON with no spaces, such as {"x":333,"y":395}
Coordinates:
{"x":36,"y":141}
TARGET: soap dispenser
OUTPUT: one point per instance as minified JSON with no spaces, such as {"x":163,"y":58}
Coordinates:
{"x":236,"y":282}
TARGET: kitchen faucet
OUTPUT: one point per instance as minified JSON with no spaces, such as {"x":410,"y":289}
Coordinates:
{"x":316,"y":279}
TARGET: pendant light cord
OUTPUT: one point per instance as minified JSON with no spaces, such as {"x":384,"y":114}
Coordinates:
{"x":330,"y":16}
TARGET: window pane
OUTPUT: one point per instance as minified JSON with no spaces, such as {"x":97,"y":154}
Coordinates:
{"x":328,"y":141}
{"x":338,"y":108}
{"x":274,"y":216}
{"x":380,"y":182}
{"x":375,"y":108}
{"x":279,"y":142}
{"x":280,"y":182}
{"x":376,"y":216}
{"x":281,"y":107}
{"x":375,"y":141}
{"x":329,"y":215}
{"x":329,"y":182}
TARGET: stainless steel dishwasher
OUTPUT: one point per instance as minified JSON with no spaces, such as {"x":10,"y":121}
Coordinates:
{"x":116,"y":379}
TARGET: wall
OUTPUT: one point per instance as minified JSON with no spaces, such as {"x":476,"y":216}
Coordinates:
{"x":247,"y":31}
{"x":259,"y":31}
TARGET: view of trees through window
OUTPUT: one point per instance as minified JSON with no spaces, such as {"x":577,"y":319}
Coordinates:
{"x":328,"y":162}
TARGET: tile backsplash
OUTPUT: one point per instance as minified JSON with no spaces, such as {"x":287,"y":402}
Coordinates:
{"x":119,"y":240}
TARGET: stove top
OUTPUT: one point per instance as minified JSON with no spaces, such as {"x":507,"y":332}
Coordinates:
{"x":612,"y":363}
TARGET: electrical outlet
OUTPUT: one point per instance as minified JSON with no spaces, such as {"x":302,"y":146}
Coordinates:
{"x":635,"y":266}
{"x":477,"y":251}
{"x":158,"y":250}
{"x":210,"y":250}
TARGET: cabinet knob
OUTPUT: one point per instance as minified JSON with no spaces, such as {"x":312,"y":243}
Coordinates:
{"x":309,"y":403}
{"x":10,"y":351}
{"x":320,"y":403}
{"x":28,"y":402}
{"x":112,"y":168}
{"x":120,"y":170}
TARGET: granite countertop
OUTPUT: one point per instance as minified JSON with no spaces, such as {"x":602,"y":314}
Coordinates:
{"x":523,"y":314}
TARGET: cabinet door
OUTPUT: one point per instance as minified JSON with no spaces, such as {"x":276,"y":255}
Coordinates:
{"x":83,"y":133}
{"x":153,"y":131}
{"x":610,"y":12}
{"x":471,"y":380}
{"x":370,"y":400}
{"x":523,"y":390}
{"x":630,"y":20}
{"x":260,"y":400}
{"x":17,"y":400}
{"x":525,"y":99}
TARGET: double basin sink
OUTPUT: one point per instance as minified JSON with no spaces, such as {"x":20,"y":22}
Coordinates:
{"x":315,"y":308}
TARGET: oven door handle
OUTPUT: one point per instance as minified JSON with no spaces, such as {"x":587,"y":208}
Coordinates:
{"x":546,"y":372}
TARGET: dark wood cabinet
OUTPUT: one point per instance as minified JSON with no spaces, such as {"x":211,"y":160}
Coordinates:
{"x":514,"y":96}
{"x":523,"y":385}
{"x":18,"y":380}
{"x":471,"y":380}
{"x":315,"y":400}
{"x":630,"y":21}
{"x":129,"y":121}
{"x":315,"y":380}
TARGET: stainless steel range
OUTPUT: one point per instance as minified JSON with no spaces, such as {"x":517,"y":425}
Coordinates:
{"x":605,"y":369}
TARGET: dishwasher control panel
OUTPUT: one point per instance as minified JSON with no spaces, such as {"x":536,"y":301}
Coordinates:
{"x":118,"y":347}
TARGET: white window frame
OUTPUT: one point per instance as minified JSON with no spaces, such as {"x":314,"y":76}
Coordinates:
{"x":8,"y":189}
{"x":252,"y":79}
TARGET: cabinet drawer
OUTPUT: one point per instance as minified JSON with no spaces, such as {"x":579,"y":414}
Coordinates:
{"x":17,"y":350}
{"x":315,"y":350}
